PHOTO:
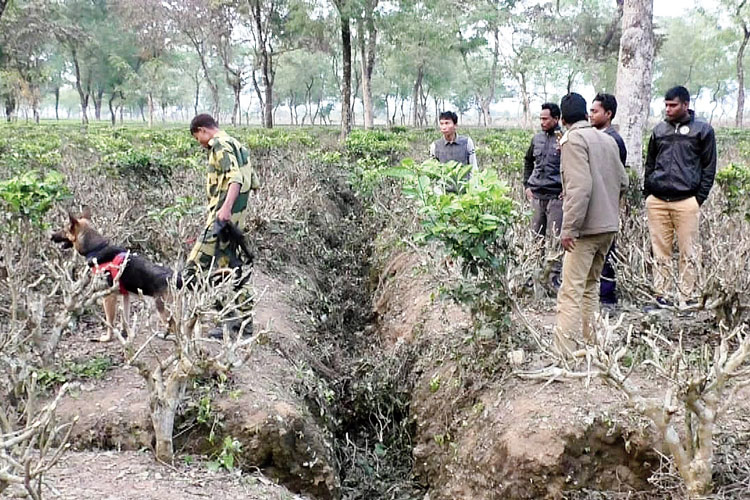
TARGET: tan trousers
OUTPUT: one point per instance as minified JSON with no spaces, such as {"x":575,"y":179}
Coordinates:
{"x":578,"y":297}
{"x":665,"y":218}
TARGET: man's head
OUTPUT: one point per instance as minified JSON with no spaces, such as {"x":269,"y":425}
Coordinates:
{"x":603,"y":110}
{"x":203,"y":127}
{"x":448,"y":121}
{"x":676,"y":102}
{"x":573,"y":108}
{"x":549,"y":116}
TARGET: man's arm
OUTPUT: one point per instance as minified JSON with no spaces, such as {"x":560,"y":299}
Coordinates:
{"x":577,"y":184}
{"x":225,"y":212}
{"x":650,"y":162}
{"x":623,"y":150}
{"x":472,"y":153}
{"x":528,"y":164}
{"x":708,"y":166}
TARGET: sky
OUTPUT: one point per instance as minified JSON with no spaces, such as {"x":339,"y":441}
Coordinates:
{"x":671,"y":8}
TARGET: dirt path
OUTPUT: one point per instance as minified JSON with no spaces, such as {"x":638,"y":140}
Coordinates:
{"x":132,"y":475}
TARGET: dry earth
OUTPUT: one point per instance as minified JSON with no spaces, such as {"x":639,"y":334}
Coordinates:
{"x":278,"y":434}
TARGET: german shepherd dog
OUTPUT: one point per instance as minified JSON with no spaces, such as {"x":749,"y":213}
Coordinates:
{"x":138,"y":276}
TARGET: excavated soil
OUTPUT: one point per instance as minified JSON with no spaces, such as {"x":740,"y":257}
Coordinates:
{"x":278,"y":434}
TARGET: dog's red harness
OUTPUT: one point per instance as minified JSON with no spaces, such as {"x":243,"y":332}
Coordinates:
{"x":113,"y":268}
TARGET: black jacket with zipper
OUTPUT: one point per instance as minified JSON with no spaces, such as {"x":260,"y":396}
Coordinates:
{"x":681,"y":160}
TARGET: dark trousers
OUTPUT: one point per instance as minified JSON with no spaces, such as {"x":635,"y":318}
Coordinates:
{"x":546,"y":221}
{"x":548,"y":215}
{"x":607,"y":285}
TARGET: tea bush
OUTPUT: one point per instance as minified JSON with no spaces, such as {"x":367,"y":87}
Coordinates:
{"x":29,"y":196}
{"x":471,"y":214}
{"x":734,"y":181}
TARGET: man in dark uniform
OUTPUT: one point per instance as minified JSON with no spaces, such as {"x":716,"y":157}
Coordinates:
{"x":541,"y":180}
{"x":601,"y":114}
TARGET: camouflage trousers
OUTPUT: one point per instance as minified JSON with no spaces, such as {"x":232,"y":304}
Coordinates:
{"x":209,"y":255}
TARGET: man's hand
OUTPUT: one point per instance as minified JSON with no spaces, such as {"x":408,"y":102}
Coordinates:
{"x":529,"y":195}
{"x":568,"y":243}
{"x":224,"y":214}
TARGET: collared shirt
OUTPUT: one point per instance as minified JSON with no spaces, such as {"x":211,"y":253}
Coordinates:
{"x":227,"y":164}
{"x":443,"y":150}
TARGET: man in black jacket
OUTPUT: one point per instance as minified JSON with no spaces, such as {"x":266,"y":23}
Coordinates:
{"x":602,"y":112}
{"x":679,"y":174}
{"x":541,"y":180}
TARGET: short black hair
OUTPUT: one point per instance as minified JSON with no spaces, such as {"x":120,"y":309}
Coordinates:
{"x":679,"y":92}
{"x":608,"y":102}
{"x":203,"y":120}
{"x":573,"y":107}
{"x":449,"y":115}
{"x":554,"y":109}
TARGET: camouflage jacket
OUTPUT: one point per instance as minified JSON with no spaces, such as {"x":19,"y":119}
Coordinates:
{"x":227,"y":164}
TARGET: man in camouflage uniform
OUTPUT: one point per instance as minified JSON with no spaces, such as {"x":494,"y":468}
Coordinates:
{"x":228,"y":183}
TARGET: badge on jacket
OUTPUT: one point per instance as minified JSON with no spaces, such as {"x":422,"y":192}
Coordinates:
{"x":684,"y":130}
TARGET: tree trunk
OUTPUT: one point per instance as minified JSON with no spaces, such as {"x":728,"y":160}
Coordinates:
{"x":197,"y":97}
{"x":367,"y":60}
{"x":346,"y":84}
{"x":150,"y":109}
{"x":163,"y":402}
{"x":634,"y":68}
{"x":741,"y":77}
{"x":236,"y":110}
{"x":98,"y":104}
{"x":57,"y":103}
{"x":267,"y":102}
{"x":82,"y":95}
{"x":112,"y":115}
{"x":416,"y":97}
{"x":35,"y":103}
{"x":526,"y":100}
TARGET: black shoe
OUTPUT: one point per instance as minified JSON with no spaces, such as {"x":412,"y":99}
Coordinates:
{"x":608,"y":307}
{"x":233,"y":326}
{"x":661,"y":303}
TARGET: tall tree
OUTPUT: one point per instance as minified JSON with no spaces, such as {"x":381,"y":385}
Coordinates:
{"x":481,"y":51}
{"x":740,"y":16}
{"x":367,"y":37}
{"x":634,"y":71}
{"x":343,"y":7}
{"x":24,"y":36}
{"x":197,"y":21}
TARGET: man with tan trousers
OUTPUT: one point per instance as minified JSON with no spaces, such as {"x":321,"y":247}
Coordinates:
{"x":593,"y":178}
{"x":679,"y":174}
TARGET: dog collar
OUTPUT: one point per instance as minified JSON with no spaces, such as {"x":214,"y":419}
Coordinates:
{"x":113,"y":268}
{"x":92,"y":253}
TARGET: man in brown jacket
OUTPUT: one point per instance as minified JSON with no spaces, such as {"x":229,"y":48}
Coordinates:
{"x":593,"y":179}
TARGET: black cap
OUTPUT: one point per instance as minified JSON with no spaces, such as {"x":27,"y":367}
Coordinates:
{"x":573,"y":107}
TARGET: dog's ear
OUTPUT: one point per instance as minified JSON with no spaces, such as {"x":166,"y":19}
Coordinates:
{"x":73,"y":221}
{"x":86,"y":212}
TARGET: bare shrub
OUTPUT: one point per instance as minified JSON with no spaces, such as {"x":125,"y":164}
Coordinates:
{"x":695,"y":387}
{"x":168,"y":374}
{"x":31,"y":441}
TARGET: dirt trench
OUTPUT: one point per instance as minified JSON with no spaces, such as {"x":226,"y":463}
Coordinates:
{"x":482,"y":433}
{"x":367,"y":388}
